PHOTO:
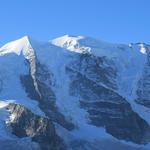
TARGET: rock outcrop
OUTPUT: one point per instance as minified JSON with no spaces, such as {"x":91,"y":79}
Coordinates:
{"x":25,"y":123}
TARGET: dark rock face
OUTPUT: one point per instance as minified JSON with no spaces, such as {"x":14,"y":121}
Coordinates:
{"x":106,"y":108}
{"x":40,"y":129}
{"x":98,"y":69}
{"x":46,"y":96}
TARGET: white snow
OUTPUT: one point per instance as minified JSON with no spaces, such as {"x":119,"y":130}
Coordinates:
{"x":3,"y":104}
{"x":15,"y":46}
{"x":143,"y":49}
{"x":71,"y":43}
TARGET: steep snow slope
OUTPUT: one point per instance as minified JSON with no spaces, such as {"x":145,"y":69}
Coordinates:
{"x":12,"y":64}
{"x":82,"y":86}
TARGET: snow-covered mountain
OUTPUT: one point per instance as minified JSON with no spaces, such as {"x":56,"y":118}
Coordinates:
{"x":74,"y":93}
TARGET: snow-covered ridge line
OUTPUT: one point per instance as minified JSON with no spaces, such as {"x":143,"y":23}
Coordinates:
{"x":16,"y":46}
{"x":82,"y":44}
{"x":79,"y":44}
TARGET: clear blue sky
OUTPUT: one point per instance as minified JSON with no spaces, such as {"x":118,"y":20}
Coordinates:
{"x":110,"y":20}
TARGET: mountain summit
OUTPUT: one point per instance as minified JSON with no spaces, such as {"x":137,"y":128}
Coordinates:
{"x":74,"y":93}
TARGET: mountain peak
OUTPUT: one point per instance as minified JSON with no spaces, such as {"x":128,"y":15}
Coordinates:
{"x":71,"y":43}
{"x":16,"y":46}
{"x":25,"y":38}
{"x":66,"y":40}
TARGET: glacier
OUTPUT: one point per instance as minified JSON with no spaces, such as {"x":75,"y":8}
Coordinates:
{"x":74,"y":93}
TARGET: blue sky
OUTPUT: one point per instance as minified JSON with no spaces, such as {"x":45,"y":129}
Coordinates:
{"x":118,"y":21}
